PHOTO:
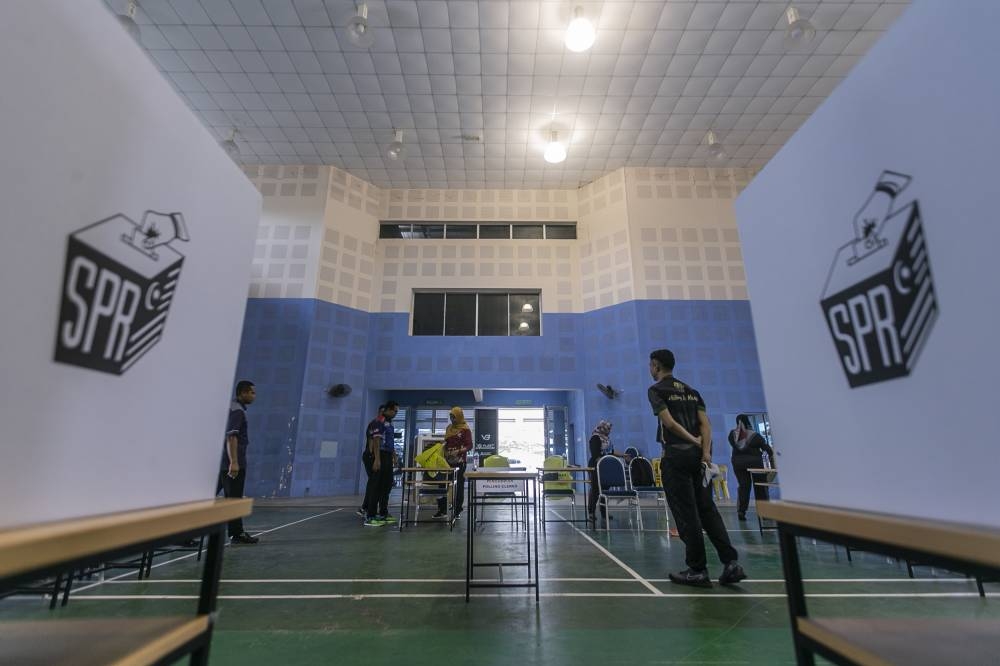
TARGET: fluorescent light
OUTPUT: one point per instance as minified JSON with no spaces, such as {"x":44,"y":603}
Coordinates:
{"x":580,"y":34}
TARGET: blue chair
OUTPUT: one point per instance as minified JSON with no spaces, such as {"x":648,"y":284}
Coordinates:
{"x":643,"y":482}
{"x":612,"y":485}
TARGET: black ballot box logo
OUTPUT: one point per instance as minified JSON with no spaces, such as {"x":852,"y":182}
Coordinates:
{"x":118,"y":285}
{"x":879,"y":300}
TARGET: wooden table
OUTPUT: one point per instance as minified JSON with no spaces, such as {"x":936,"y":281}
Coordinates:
{"x":476,"y":499}
{"x":411,"y":484}
{"x":572,"y":470}
{"x":35,"y":551}
{"x":880,"y":641}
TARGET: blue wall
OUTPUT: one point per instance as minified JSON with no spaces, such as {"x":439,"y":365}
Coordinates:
{"x":294,"y":349}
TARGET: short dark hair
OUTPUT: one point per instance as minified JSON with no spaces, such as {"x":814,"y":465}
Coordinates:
{"x":743,"y":419}
{"x":664,"y":357}
{"x":392,"y":404}
{"x":243,"y":386}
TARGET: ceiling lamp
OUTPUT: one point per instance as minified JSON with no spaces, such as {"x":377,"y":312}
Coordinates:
{"x":396,"y":147}
{"x":580,"y":34}
{"x":799,"y":32}
{"x":230,"y":146}
{"x":127,"y":20}
{"x":527,"y":307}
{"x":358,"y":31}
{"x":555,"y":152}
{"x":715,"y":149}
{"x":523,"y":326}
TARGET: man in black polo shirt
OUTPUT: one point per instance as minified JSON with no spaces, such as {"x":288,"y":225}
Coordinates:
{"x":680,"y":411}
{"x":233,"y":475}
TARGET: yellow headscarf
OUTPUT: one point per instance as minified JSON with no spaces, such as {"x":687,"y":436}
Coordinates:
{"x":458,"y":425}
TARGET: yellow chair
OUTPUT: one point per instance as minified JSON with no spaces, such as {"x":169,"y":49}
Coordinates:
{"x":657,"y":476}
{"x":560,"y":487}
{"x":497,"y":461}
{"x":720,"y":484}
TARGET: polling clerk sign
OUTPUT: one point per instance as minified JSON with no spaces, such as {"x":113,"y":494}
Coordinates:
{"x":879,"y":299}
{"x":118,"y":284}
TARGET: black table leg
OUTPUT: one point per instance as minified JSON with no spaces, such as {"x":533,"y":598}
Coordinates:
{"x":796,"y":592}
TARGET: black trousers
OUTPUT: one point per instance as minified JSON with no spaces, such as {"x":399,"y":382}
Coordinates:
{"x":232,"y":488}
{"x":693,"y":508}
{"x":594,"y":490}
{"x":745,"y":481}
{"x":459,"y":492}
{"x":376,"y":502}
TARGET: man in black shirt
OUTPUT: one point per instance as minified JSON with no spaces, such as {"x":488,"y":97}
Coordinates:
{"x":680,"y":411}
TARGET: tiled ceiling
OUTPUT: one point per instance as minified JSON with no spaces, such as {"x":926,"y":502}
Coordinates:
{"x":659,"y":75}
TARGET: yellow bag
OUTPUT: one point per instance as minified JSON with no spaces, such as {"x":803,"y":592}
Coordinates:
{"x":432,"y":457}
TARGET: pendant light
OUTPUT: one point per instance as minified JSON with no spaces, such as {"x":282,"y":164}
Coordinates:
{"x":127,"y":20}
{"x":359,"y":33}
{"x":799,"y":32}
{"x":555,"y":151}
{"x":580,"y":34}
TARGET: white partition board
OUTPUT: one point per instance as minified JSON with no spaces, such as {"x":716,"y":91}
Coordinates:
{"x":125,"y":253}
{"x":871,"y":248}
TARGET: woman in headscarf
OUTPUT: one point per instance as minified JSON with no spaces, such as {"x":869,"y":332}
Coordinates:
{"x":457,"y":443}
{"x":600,"y":445}
{"x":748,"y":453}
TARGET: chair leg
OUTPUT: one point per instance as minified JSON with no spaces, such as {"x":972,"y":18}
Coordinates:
{"x":909,"y":569}
{"x":55,"y":590}
{"x":69,"y":584}
{"x":979,"y":586}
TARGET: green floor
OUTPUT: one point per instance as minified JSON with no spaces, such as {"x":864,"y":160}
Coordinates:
{"x":321,"y":589}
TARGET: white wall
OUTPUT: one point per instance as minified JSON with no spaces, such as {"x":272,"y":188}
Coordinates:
{"x":91,"y":130}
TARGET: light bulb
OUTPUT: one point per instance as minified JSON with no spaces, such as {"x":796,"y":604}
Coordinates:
{"x":358,"y":31}
{"x":715,"y":149}
{"x":523,"y":326}
{"x":580,"y":34}
{"x":799,"y":32}
{"x":527,"y":307}
{"x":127,"y":20}
{"x":555,"y":152}
{"x":230,"y":146}
{"x":396,"y":149}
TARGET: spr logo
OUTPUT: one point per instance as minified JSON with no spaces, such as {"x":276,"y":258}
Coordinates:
{"x":118,"y":285}
{"x":879,"y":300}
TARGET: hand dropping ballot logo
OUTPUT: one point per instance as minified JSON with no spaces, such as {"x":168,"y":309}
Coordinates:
{"x":879,"y":298}
{"x":118,"y":285}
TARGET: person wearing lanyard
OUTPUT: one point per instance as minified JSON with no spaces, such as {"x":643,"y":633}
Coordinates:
{"x":680,"y":410}
{"x":383,"y":470}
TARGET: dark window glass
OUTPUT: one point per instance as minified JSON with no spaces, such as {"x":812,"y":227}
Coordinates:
{"x":393,"y":230}
{"x":428,"y":231}
{"x":493,"y":314}
{"x":524,"y":319}
{"x":494,"y":231}
{"x":460,"y":231}
{"x":460,"y":314}
{"x":428,"y":314}
{"x":527,"y":231}
{"x":560,"y":231}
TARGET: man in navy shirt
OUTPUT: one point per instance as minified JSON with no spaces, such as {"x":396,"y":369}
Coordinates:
{"x":384,"y":441}
{"x":233,"y":475}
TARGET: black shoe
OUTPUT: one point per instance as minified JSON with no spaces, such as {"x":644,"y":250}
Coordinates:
{"x":732,"y":574}
{"x":742,"y":517}
{"x":691,"y":577}
{"x":440,"y":514}
{"x":362,"y":513}
{"x":244,"y":539}
{"x":191,"y":543}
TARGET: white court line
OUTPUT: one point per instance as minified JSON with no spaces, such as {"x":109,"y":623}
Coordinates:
{"x":401,"y":595}
{"x":184,"y":557}
{"x":632,"y":572}
{"x":230,"y":581}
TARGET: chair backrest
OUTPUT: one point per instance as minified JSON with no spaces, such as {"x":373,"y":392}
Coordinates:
{"x":632,"y":451}
{"x":496,"y":461}
{"x":610,"y":473}
{"x":641,"y":473}
{"x":552,"y":479}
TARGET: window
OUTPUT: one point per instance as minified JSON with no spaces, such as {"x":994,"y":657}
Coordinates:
{"x":494,"y":231}
{"x":459,"y":314}
{"x":460,"y":231}
{"x":468,"y":230}
{"x":533,"y":231}
{"x":428,"y":314}
{"x":560,"y":231}
{"x":482,"y":314}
